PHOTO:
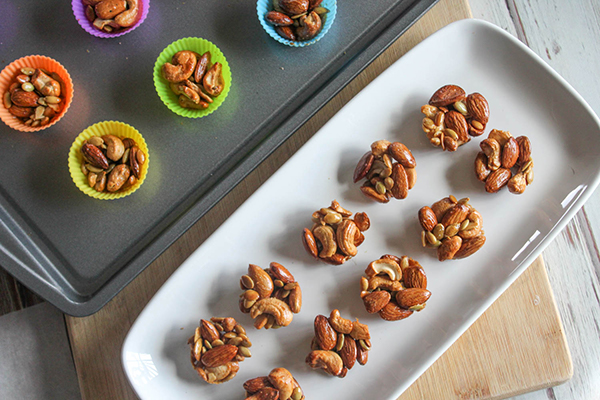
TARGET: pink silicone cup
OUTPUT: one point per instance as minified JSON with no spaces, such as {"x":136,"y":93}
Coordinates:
{"x":79,"y":12}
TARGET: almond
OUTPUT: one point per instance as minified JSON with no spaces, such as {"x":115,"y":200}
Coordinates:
{"x":400,"y":188}
{"x":455,"y":215}
{"x":94,"y":155}
{"x":280,"y":272}
{"x":408,"y":298}
{"x":371,"y":193}
{"x":286,"y":32}
{"x":325,"y":334}
{"x":263,"y":283}
{"x":20,"y":112}
{"x":497,"y":179}
{"x":440,"y":207}
{"x":524,"y":149}
{"x":254,"y":385}
{"x":470,"y":246}
{"x":267,"y":393}
{"x":457,"y":122}
{"x":348,"y":353}
{"x":402,"y":154}
{"x":219,"y":355}
{"x":481,"y":168}
{"x":447,"y":95}
{"x":295,"y":300}
{"x":414,"y":277}
{"x":208,"y":331}
{"x":393,"y":312}
{"x":310,"y":245}
{"x":362,"y":355}
{"x":427,"y":218}
{"x":375,"y":301}
{"x":22,"y":98}
{"x":478,"y":108}
{"x":294,"y":7}
{"x":510,"y":153}
{"x":278,"y":19}
{"x":363,"y":166}
{"x":449,"y":248}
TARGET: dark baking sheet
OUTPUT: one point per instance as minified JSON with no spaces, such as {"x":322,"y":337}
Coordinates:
{"x":78,"y":252}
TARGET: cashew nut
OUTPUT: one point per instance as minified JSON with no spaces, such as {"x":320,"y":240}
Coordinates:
{"x":129,"y":17}
{"x":338,"y":208}
{"x":310,"y":25}
{"x":114,"y":147}
{"x":360,"y":331}
{"x":380,"y":147}
{"x":341,"y":325}
{"x":474,"y":228}
{"x":46,"y":85}
{"x":326,"y":236}
{"x":275,"y":307}
{"x":387,"y":266}
{"x":327,"y":360}
{"x":263,"y":283}
{"x":213,"y":81}
{"x":181,"y":66}
{"x":346,"y":232}
{"x":282,"y":380}
{"x":384,"y":282}
{"x":222,"y":373}
{"x":500,"y":136}
{"x":491,"y":148}
{"x":185,"y":102}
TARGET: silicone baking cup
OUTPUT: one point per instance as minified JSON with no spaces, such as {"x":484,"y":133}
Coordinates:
{"x":79,"y":12}
{"x":118,"y":129}
{"x":8,"y":75}
{"x":165,"y":93}
{"x":264,"y":6}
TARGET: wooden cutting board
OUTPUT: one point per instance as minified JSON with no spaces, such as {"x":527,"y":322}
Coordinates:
{"x":516,"y":346}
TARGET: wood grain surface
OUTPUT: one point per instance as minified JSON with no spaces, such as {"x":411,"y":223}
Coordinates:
{"x":479,"y":365}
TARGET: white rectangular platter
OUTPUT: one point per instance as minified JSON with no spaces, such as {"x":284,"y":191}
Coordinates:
{"x":526,"y":97}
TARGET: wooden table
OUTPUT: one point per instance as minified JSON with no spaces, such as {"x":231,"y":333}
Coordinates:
{"x":96,"y":340}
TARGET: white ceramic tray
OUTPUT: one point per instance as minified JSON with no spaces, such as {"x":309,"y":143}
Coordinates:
{"x":526,"y":97}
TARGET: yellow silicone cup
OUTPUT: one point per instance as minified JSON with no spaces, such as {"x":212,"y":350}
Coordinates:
{"x":8,"y":75}
{"x":118,"y":129}
{"x":165,"y":93}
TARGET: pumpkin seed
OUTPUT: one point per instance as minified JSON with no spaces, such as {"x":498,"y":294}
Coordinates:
{"x":27,"y":71}
{"x":340,"y":341}
{"x":452,"y":230}
{"x":461,"y":107}
{"x":451,"y":133}
{"x":28,"y":87}
{"x":465,"y":224}
{"x":438,"y":231}
{"x":239,"y":330}
{"x":321,"y":10}
{"x":431,"y":238}
{"x":244,"y":351}
{"x":229,"y":335}
{"x":477,"y":125}
{"x":247,"y":282}
{"x":217,"y":342}
{"x":7,"y":101}
{"x":207,"y":344}
{"x":380,"y":188}
{"x":418,"y":307}
{"x":423,"y":238}
{"x":297,"y":393}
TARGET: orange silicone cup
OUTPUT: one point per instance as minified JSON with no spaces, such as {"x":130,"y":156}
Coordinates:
{"x":8,"y":75}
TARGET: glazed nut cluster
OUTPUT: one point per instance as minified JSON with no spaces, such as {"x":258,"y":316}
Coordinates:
{"x":35,"y":96}
{"x":394,"y":287}
{"x":451,"y":117}
{"x":279,"y":384}
{"x":297,"y":19}
{"x":270,"y":296}
{"x":338,"y":344}
{"x":110,"y":163}
{"x":454,"y":227}
{"x":112,"y":15}
{"x":500,"y":153}
{"x":389,"y":169}
{"x":217,"y":347}
{"x":194,"y":78}
{"x":334,"y":237}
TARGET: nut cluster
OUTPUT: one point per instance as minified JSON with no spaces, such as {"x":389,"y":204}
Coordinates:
{"x":297,"y":19}
{"x":279,"y":384}
{"x":112,"y":15}
{"x":194,"y":78}
{"x":338,"y":344}
{"x":454,"y":227}
{"x":334,"y":237}
{"x":35,"y":96}
{"x":217,"y":347}
{"x":389,"y":169}
{"x":270,"y":296}
{"x":110,"y":163}
{"x":451,"y":116}
{"x":501,"y":152}
{"x":394,"y":287}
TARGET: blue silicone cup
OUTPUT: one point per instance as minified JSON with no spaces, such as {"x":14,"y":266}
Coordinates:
{"x":264,"y":6}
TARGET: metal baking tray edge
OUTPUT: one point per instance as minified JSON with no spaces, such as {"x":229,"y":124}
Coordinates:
{"x":26,"y":262}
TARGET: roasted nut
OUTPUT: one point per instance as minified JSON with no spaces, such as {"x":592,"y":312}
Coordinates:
{"x":278,"y":18}
{"x":181,"y":66}
{"x":114,"y":147}
{"x":329,"y":361}
{"x":294,"y":7}
{"x":375,"y":301}
{"x":45,"y":84}
{"x":492,"y":150}
{"x":324,"y":333}
{"x":510,"y":153}
{"x":22,"y":98}
{"x":263,"y":283}
{"x":130,"y":16}
{"x":108,"y":9}
{"x":117,"y":178}
{"x":278,"y":309}
{"x":310,"y":25}
{"x":497,"y":179}
{"x":213,"y":81}
{"x":286,"y":32}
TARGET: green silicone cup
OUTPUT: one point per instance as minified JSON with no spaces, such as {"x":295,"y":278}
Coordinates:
{"x":165,"y":93}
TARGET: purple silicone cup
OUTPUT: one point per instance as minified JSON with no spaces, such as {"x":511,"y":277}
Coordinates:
{"x":79,"y":12}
